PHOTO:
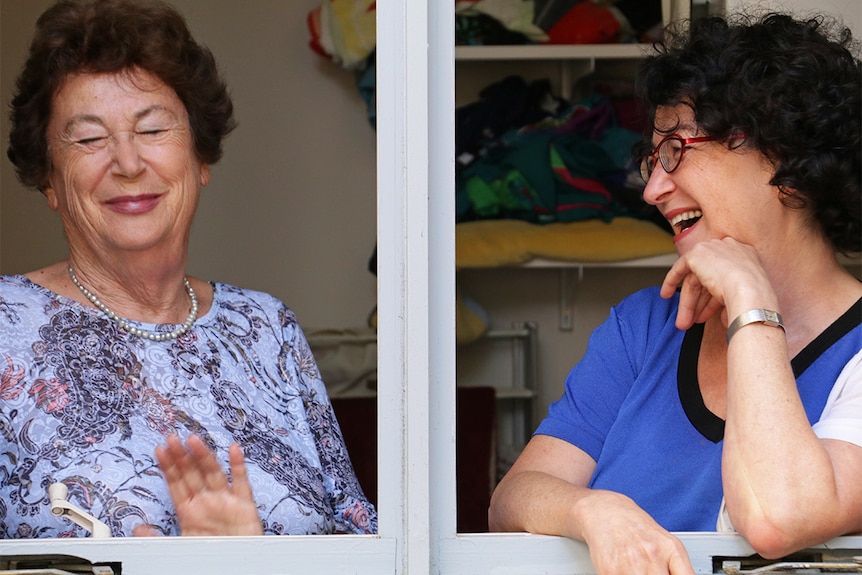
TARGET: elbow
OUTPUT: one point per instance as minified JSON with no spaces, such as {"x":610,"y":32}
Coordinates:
{"x":505,"y":511}
{"x":774,"y":537}
{"x":771,"y":532}
{"x":495,"y":514}
{"x":493,"y":523}
{"x":492,"y":519}
{"x":769,"y":541}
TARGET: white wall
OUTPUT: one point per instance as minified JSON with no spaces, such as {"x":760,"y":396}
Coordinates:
{"x":291,"y":207}
{"x":850,"y":11}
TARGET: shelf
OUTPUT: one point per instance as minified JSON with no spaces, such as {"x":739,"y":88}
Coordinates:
{"x":521,"y":335}
{"x":500,"y":393}
{"x":514,"y":393}
{"x":662,"y":261}
{"x":555,"y":52}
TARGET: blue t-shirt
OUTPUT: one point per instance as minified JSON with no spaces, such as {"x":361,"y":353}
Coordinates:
{"x":633,"y":404}
{"x":85,"y":403}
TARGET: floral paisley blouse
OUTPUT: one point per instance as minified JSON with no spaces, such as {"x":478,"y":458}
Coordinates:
{"x":84,"y":403}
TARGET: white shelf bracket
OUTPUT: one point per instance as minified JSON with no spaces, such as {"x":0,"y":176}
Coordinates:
{"x":572,"y":70}
{"x":567,"y":290}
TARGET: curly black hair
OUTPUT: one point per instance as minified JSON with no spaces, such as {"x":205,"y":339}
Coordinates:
{"x":106,"y":36}
{"x":792,"y":87}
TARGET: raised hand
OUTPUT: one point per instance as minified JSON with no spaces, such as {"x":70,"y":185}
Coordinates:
{"x":715,"y":276}
{"x":206,"y":502}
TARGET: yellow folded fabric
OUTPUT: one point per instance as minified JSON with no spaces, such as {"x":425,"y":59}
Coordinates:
{"x":469,"y":325}
{"x":496,"y":243}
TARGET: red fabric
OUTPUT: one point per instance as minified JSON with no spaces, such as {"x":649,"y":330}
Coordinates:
{"x":313,"y":22}
{"x":476,"y":425}
{"x":586,"y":23}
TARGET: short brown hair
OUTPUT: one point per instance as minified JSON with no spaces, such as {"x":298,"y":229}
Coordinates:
{"x":793,"y":87}
{"x":104,"y":36}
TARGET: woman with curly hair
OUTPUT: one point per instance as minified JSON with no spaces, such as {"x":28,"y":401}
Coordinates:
{"x":118,"y":115}
{"x":730,"y":397}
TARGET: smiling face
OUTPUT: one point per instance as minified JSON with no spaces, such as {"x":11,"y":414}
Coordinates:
{"x":716,"y":192}
{"x":124,"y":173}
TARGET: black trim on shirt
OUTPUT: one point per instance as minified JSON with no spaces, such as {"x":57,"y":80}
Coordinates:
{"x":841,"y":327}
{"x":706,"y":422}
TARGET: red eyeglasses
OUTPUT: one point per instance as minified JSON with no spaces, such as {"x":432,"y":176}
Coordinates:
{"x":669,"y":152}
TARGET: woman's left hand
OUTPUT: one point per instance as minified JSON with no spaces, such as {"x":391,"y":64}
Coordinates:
{"x":718,"y":276}
{"x":205,"y":501}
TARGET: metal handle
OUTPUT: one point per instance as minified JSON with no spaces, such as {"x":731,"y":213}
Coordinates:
{"x":735,"y":567}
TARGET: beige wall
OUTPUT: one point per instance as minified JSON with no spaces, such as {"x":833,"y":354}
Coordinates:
{"x":291,"y":207}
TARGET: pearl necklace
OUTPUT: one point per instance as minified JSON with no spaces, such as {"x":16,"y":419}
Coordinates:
{"x":152,"y":336}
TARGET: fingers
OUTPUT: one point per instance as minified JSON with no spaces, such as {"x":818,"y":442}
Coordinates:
{"x":696,"y":304}
{"x":172,"y":461}
{"x":205,"y":465}
{"x":239,"y":476}
{"x":189,"y":469}
{"x":702,"y":277}
{"x":145,"y":531}
{"x":673,"y":278}
{"x":248,"y":520}
{"x":711,"y":307}
{"x":206,"y":503}
{"x":680,"y":565}
{"x":666,"y":556}
{"x":624,"y":540}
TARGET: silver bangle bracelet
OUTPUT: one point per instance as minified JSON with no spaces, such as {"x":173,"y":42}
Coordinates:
{"x":764,"y":316}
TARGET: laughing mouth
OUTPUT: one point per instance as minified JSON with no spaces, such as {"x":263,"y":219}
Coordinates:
{"x":685,"y":220}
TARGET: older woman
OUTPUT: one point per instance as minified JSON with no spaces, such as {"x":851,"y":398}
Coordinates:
{"x":745,"y":383}
{"x":118,"y":116}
